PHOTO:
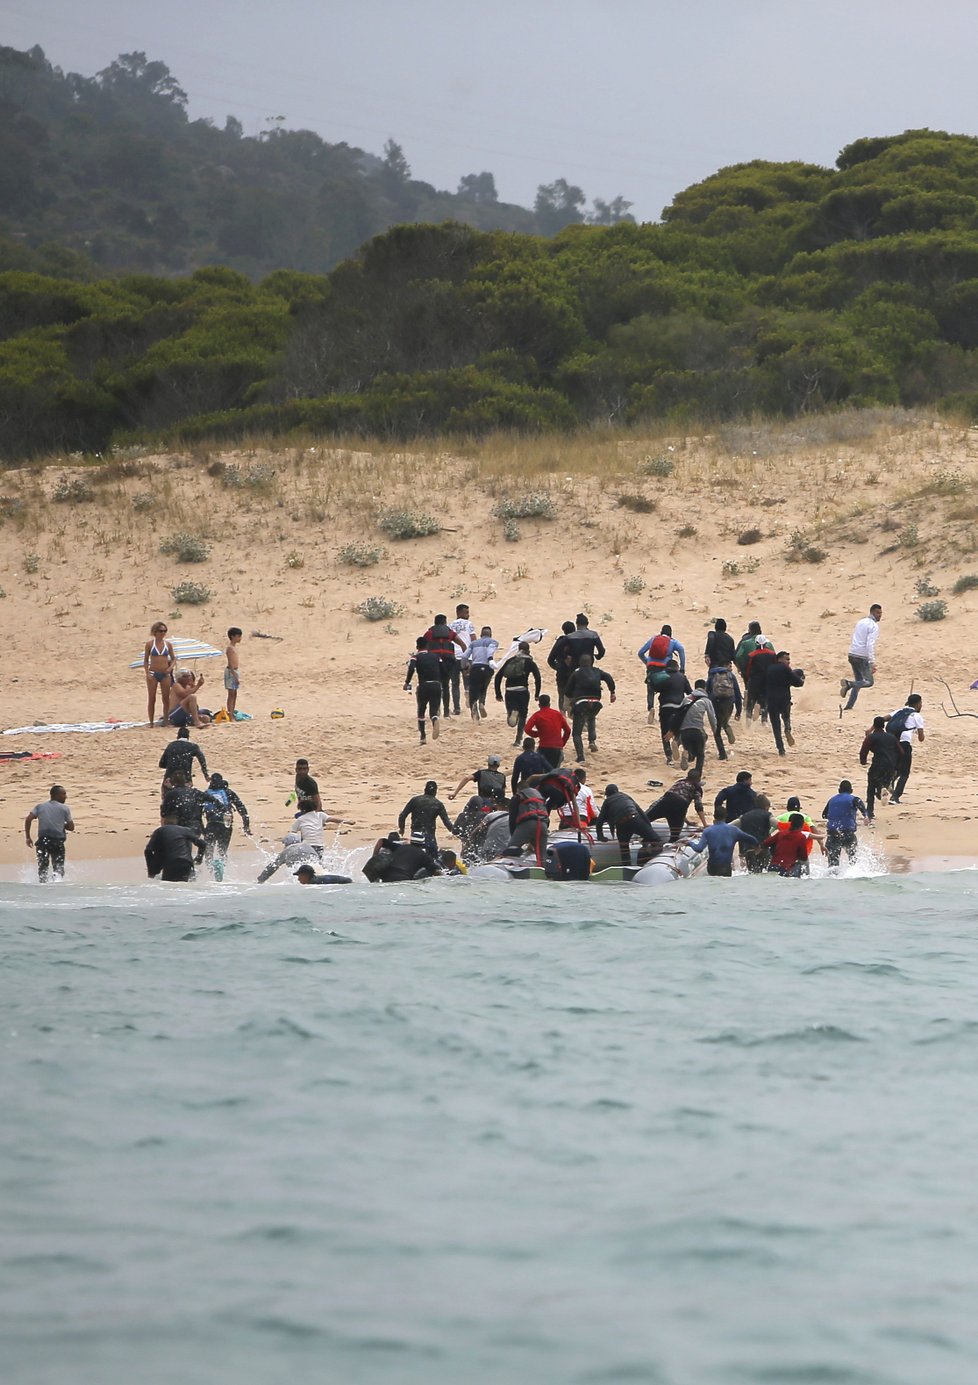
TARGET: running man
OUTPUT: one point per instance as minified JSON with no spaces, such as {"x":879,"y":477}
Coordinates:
{"x":781,"y":678}
{"x":489,"y":782}
{"x":584,"y":694}
{"x":549,"y":729}
{"x":676,"y":801}
{"x":159,"y":662}
{"x":910,"y":723}
{"x":220,"y":805}
{"x":427,"y":665}
{"x":862,"y":656}
{"x":232,"y":674}
{"x":885,"y":750}
{"x":465,"y":630}
{"x":169,"y":852}
{"x":444,"y":641}
{"x":719,"y":842}
{"x":516,"y":672}
{"x":425,"y":810}
{"x":840,"y":816}
{"x":53,"y":820}
{"x":305,"y":787}
{"x":178,"y":758}
{"x":478,"y":660}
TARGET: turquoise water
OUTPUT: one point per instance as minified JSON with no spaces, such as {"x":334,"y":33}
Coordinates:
{"x":463,"y":1132}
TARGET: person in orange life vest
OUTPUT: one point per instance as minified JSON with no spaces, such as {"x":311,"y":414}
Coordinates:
{"x":443,"y":640}
{"x":792,"y":807}
{"x":550,"y":729}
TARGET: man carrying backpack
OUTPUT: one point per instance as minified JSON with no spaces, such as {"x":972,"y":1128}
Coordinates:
{"x":219,"y":806}
{"x":516,"y":673}
{"x":905,"y":723}
{"x":691,"y":721}
{"x":584,"y":693}
{"x":723,"y":690}
{"x":656,"y":654}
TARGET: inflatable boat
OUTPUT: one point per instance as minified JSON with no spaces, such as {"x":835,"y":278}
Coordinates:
{"x":673,"y":863}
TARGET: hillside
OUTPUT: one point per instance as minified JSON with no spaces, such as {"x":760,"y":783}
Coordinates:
{"x":111,"y":167}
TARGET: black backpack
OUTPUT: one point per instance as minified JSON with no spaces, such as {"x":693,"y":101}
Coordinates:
{"x":491,"y":783}
{"x":897,"y":723}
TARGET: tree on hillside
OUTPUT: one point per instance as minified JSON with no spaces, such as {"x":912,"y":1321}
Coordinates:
{"x":609,"y":213}
{"x":557,"y":205}
{"x":478,"y":187}
{"x":133,"y":73}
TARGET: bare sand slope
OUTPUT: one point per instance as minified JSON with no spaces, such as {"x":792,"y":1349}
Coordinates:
{"x":889,"y":503}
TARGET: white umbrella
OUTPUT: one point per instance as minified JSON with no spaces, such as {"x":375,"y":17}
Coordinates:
{"x":185,"y":650}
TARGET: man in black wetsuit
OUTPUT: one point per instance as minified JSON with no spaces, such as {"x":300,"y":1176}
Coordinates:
{"x":425,"y":810}
{"x":170,"y":850}
{"x":584,"y":694}
{"x":427,"y":665}
{"x":622,"y":814}
{"x":448,"y":644}
{"x":220,"y":804}
{"x":179,"y":756}
{"x":184,"y":804}
{"x":528,"y":762}
{"x":306,"y":875}
{"x":516,"y":673}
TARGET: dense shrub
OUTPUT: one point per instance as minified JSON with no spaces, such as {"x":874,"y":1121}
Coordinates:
{"x":186,"y":548}
{"x":191,"y":594}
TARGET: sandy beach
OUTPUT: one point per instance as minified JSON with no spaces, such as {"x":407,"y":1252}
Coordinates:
{"x":887,"y":502}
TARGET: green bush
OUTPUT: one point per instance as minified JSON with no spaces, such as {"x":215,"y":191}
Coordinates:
{"x":72,"y":491}
{"x":925,"y":587}
{"x":408,"y":524}
{"x":32,"y":562}
{"x":932,"y":610}
{"x":749,"y":536}
{"x":511,"y":531}
{"x":362,"y":554}
{"x":638,"y":504}
{"x":191,"y":594}
{"x":656,"y":466}
{"x":634,"y":585}
{"x":258,"y":477}
{"x":379,"y":608}
{"x":143,"y":501}
{"x":965,"y":584}
{"x":528,"y":505}
{"x":186,"y":548}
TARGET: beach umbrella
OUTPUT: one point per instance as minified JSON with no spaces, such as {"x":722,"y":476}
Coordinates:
{"x":186,"y":650}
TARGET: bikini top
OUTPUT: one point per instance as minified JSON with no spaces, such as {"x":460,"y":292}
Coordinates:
{"x":165,"y":653}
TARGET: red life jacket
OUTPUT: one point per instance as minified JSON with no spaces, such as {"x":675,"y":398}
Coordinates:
{"x":531,"y":805}
{"x":659,"y":651}
{"x":441,"y":644}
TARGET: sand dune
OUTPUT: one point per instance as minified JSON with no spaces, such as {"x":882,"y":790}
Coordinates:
{"x":890,"y":502}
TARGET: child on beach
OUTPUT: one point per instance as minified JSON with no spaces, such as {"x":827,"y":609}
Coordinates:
{"x":232,"y":676}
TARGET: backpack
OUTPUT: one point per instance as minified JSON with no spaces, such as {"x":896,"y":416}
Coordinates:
{"x":658,"y":651}
{"x":491,"y":783}
{"x":657,"y":678}
{"x":897,"y":723}
{"x":217,"y":806}
{"x":722,"y":684}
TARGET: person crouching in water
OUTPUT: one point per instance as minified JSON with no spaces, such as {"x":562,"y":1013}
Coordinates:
{"x":790,"y":848}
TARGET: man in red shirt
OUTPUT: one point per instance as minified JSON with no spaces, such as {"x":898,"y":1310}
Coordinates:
{"x":791,"y":847}
{"x":550,"y":729}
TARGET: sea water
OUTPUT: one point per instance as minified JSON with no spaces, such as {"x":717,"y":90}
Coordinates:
{"x":463,"y":1131}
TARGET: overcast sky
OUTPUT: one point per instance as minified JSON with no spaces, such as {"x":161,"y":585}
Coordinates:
{"x":631,"y":97}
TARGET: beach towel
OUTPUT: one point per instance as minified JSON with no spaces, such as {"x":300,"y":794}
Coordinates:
{"x":66,"y":726}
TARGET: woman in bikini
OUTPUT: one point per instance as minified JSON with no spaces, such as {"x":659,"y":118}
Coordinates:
{"x":158,"y":662}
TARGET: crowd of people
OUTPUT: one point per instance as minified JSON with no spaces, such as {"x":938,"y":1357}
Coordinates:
{"x":510,"y":816}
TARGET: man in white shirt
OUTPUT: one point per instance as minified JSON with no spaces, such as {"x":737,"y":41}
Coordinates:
{"x":465,"y":630}
{"x":912,"y":725}
{"x":862,"y":657}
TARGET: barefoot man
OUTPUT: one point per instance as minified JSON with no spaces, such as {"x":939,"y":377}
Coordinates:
{"x":185,"y":690}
